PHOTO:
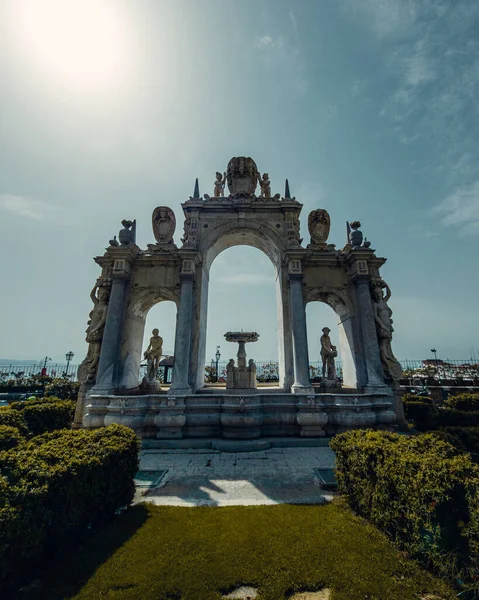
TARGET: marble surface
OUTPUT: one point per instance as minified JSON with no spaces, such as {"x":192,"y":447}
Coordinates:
{"x":213,"y":478}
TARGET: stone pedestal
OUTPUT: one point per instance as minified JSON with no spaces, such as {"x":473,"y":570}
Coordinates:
{"x":170,"y":418}
{"x":311,"y":417}
{"x":241,"y":417}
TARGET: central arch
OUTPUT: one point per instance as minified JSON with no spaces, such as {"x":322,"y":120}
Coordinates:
{"x":266,"y":237}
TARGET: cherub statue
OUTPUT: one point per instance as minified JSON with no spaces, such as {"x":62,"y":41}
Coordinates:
{"x":265,"y":185}
{"x":153,"y":355}
{"x":219,"y":185}
{"x":384,"y":328}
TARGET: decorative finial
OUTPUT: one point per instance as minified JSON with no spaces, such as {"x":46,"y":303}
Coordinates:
{"x":114,"y":242}
{"x":196,"y":193}
{"x":287,"y":194}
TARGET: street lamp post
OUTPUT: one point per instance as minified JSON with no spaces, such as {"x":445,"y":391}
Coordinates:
{"x":217,"y":356}
{"x":68,"y":356}
{"x":434,"y":351}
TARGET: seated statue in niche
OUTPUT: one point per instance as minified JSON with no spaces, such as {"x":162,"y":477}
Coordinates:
{"x":328,"y":354}
{"x":384,"y":328}
{"x":94,"y":334}
{"x":265,"y":185}
{"x":153,"y":356}
{"x":219,"y":190}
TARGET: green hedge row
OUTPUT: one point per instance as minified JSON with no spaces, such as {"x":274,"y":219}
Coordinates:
{"x":54,"y":487}
{"x":426,"y":417}
{"x":465,"y":439}
{"x":39,"y":415}
{"x":466,"y":402}
{"x":419,"y":490}
{"x":10,"y":437}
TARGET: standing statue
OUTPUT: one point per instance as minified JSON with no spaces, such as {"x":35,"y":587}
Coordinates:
{"x":153,"y":356}
{"x":384,"y":327}
{"x":265,"y":185}
{"x":219,"y":191}
{"x":94,"y":334}
{"x":328,"y":354}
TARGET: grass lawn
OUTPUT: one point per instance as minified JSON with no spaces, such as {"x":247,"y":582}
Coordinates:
{"x":159,"y":553}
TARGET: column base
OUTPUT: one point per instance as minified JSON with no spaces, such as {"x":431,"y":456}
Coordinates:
{"x":296,"y":389}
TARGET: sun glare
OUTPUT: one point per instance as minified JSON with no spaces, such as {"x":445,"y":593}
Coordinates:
{"x":81,"y":41}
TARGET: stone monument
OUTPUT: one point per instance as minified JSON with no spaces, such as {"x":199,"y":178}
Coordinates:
{"x":133,"y":279}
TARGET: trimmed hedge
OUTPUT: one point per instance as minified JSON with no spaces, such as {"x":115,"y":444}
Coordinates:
{"x":423,"y":415}
{"x":38,"y":415}
{"x":9,"y":437}
{"x":417,"y":489}
{"x":57,"y":485}
{"x":449,"y":417}
{"x":406,"y":398}
{"x":466,"y":402}
{"x":465,"y":439}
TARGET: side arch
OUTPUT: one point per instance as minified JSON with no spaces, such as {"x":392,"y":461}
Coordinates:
{"x":140,"y":302}
{"x":341,"y":301}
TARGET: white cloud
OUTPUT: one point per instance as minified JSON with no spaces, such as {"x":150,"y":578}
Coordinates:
{"x":24,"y":206}
{"x":461,"y":209}
{"x":280,"y":54}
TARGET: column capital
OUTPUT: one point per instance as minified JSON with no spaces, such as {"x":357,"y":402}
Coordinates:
{"x":295,"y":276}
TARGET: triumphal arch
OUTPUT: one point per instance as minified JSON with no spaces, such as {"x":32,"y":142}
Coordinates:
{"x":242,"y":210}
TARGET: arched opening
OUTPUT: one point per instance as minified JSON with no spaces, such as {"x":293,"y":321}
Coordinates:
{"x":146,"y":311}
{"x":270,"y":242}
{"x":318,"y":316}
{"x":242,"y":296}
{"x":161,"y":316}
{"x":336,"y":314}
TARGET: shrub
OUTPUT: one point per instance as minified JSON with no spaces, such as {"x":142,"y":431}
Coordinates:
{"x":63,"y":388}
{"x":465,"y":439}
{"x":423,"y":415}
{"x":57,"y":485}
{"x":407,"y":398}
{"x":13,"y":418}
{"x":466,"y":402}
{"x":449,"y":417}
{"x":9,"y":437}
{"x":41,"y":415}
{"x":418,"y":489}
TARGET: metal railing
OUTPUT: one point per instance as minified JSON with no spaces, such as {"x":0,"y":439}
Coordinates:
{"x":266,"y":371}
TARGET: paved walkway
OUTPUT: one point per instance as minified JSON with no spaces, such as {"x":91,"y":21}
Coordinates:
{"x":213,"y":478}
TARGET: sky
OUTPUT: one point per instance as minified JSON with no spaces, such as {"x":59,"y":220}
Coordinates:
{"x":110,"y":108}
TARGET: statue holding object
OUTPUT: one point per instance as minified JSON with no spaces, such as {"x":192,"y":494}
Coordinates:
{"x":328,"y":354}
{"x":384,"y":328}
{"x":220,"y":182}
{"x":100,"y":295}
{"x":265,"y":185}
{"x":153,"y":356}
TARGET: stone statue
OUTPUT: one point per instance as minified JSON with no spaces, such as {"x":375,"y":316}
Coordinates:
{"x":230,"y":373}
{"x":94,"y":334}
{"x":252,"y":374}
{"x":384,"y":327}
{"x":219,"y":191}
{"x":328,"y":354}
{"x":153,"y":355}
{"x":265,"y":185}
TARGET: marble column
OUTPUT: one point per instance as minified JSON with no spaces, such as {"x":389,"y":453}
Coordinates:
{"x":184,"y":323}
{"x":302,"y":384}
{"x":108,"y":365}
{"x":372,"y":356}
